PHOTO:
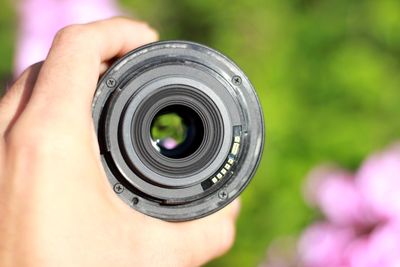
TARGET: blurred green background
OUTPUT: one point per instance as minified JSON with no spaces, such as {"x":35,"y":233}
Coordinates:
{"x":328,"y":76}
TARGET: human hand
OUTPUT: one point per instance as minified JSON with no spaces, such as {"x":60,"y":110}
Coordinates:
{"x":56,"y":206}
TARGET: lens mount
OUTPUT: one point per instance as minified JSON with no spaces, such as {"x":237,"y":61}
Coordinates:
{"x":222,"y":145}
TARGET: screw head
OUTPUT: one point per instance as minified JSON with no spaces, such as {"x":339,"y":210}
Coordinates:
{"x":222,"y":194}
{"x":111,"y":82}
{"x":236,"y":80}
{"x":135,"y":201}
{"x":118,"y":188}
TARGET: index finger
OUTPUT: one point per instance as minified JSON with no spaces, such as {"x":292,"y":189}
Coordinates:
{"x":68,"y":78}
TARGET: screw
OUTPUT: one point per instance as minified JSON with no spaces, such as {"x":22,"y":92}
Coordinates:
{"x":111,"y":82}
{"x":236,"y":80}
{"x":223,"y":195}
{"x":135,"y":200}
{"x":118,"y":188}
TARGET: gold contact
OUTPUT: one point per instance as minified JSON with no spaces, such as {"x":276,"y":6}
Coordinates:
{"x":230,"y":161}
{"x":235,"y":149}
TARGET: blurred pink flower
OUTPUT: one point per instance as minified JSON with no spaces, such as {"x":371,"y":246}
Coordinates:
{"x":381,"y":248}
{"x":324,"y":244}
{"x":39,"y":20}
{"x":334,"y":192}
{"x":362,"y":212}
{"x":168,"y":143}
{"x":379,"y":182}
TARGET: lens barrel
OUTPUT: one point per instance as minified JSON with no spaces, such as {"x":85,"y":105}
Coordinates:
{"x":214,"y":100}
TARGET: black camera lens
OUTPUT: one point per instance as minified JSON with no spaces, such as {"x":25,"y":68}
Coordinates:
{"x":180,"y":129}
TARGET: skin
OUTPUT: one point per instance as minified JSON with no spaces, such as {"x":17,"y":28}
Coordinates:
{"x":56,"y":206}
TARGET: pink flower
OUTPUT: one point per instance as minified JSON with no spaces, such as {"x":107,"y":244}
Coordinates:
{"x":379,"y":183}
{"x":324,"y":244}
{"x":381,"y":248}
{"x":41,"y":19}
{"x":362,"y":215}
{"x":169,"y":143}
{"x":336,"y":194}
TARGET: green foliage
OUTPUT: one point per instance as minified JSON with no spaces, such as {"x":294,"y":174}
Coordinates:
{"x":7,"y":41}
{"x":327,"y":73}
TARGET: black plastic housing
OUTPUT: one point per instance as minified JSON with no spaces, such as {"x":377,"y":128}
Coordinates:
{"x":176,"y":74}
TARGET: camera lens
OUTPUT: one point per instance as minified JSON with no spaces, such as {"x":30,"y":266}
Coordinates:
{"x":180,"y":129}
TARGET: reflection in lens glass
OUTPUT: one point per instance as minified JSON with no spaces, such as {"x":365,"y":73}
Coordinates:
{"x":168,"y":131}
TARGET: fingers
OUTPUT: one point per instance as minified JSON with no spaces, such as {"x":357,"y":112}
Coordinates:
{"x":12,"y":105}
{"x":66,"y":84}
{"x":210,"y":237}
{"x":16,"y":98}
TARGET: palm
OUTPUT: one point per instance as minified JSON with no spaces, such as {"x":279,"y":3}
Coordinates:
{"x":58,"y":205}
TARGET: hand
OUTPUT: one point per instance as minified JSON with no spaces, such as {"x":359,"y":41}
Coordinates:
{"x":56,"y":206}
